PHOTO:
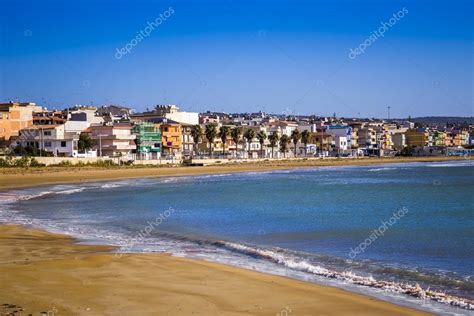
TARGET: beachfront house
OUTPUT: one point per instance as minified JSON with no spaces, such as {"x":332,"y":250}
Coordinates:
{"x":51,"y":138}
{"x":113,"y":140}
{"x":148,"y":140}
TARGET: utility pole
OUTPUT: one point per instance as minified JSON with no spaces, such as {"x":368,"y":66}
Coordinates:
{"x":100,"y":145}
{"x":388,"y":108}
{"x":41,"y":141}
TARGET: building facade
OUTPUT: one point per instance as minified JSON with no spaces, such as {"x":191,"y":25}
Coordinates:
{"x":171,"y":137}
{"x":15,"y":116}
{"x":148,"y":140}
{"x":113,"y":140}
{"x":418,"y":137}
{"x":51,"y":138}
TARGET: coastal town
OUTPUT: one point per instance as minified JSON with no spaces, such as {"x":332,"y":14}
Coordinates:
{"x":166,"y":133}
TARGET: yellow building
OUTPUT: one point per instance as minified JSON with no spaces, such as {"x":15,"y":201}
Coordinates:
{"x":171,"y":136}
{"x":439,"y":138}
{"x":417,"y":137}
{"x":15,"y":116}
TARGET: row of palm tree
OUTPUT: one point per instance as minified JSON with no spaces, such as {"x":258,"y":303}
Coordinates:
{"x":210,"y":133}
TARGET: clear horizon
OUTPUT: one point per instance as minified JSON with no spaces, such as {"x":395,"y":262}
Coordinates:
{"x":354,"y":59}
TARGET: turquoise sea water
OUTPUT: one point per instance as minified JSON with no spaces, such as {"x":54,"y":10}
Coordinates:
{"x":301,"y":223}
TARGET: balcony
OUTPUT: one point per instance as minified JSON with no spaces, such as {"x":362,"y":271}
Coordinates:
{"x":113,"y":137}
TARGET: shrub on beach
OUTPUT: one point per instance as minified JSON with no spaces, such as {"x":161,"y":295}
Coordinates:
{"x":23,"y":162}
{"x":5,"y":162}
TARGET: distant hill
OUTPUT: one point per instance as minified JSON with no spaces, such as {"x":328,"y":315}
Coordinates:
{"x":444,"y":119}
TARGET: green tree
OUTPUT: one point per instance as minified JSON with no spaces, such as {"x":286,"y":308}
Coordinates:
{"x":235,"y":133}
{"x":19,"y":150}
{"x":274,"y":138}
{"x":249,"y":135}
{"x":261,"y":136}
{"x":295,"y":137}
{"x":196,"y":134}
{"x":284,"y":141}
{"x":305,"y":138}
{"x":211,"y":133}
{"x":224,"y":132}
{"x":85,"y":142}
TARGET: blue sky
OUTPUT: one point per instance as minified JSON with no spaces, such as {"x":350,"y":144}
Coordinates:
{"x":241,"y":56}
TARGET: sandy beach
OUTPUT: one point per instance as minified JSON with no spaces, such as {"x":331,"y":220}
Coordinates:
{"x":16,"y":178}
{"x":41,"y":271}
{"x":44,"y":272}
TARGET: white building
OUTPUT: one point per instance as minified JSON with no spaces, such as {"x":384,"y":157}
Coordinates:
{"x":341,"y":142}
{"x":184,"y":117}
{"x":53,"y":138}
{"x":85,"y":114}
{"x":171,"y":112}
{"x":113,"y":140}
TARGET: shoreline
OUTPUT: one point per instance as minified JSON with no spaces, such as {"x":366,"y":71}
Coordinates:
{"x":93,"y":253}
{"x":15,"y":178}
{"x":43,"y":272}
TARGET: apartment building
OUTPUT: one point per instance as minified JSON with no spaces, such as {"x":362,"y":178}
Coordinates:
{"x":52,"y":138}
{"x":439,"y":138}
{"x":171,"y":136}
{"x":399,"y":141}
{"x":113,"y":139}
{"x":367,"y":137}
{"x":384,"y":137}
{"x":15,"y":116}
{"x":323,"y":140}
{"x":114,"y":113}
{"x":187,"y":140}
{"x":85,"y":114}
{"x":342,"y":135}
{"x":46,"y":117}
{"x":148,"y":140}
{"x":417,"y":137}
{"x":170,"y":112}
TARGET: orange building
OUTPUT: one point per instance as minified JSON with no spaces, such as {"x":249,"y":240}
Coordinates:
{"x":171,"y":136}
{"x":15,"y":116}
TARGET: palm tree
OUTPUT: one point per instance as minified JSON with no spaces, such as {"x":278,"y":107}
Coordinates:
{"x":235,"y":134}
{"x":224,"y":132}
{"x":211,"y":133}
{"x":261,"y":135}
{"x":196,"y":133}
{"x":273,"y":140}
{"x":249,"y":135}
{"x":305,"y":137}
{"x":284,"y":141}
{"x":295,"y":137}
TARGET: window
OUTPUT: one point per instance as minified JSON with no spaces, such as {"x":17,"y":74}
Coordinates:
{"x":47,"y":133}
{"x":63,"y":144}
{"x":47,"y":144}
{"x":157,"y":145}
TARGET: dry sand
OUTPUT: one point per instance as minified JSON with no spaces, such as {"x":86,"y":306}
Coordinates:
{"x":44,"y":272}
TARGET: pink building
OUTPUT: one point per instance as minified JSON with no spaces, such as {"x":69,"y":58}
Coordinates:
{"x":113,"y":139}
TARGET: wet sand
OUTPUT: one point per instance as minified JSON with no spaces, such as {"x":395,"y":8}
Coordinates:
{"x":44,"y":272}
